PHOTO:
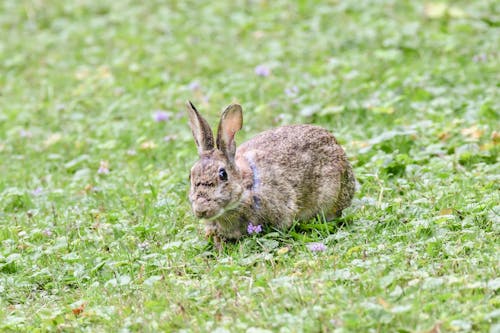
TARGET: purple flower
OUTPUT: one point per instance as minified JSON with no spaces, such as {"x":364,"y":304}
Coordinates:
{"x":169,"y":138}
{"x":480,"y":57}
{"x":254,"y":229}
{"x":316,"y":247}
{"x":160,"y":116}
{"x":25,"y":133}
{"x":262,"y":70}
{"x":144,"y":245}
{"x":36,"y":192}
{"x":103,"y":168}
{"x":194,"y":85}
{"x":47,"y":232}
{"x":292,"y":92}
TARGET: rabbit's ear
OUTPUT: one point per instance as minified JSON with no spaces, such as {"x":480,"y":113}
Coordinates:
{"x":230,"y":123}
{"x":202,"y":132}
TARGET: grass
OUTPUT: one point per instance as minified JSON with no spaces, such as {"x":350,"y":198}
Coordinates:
{"x":409,"y":88}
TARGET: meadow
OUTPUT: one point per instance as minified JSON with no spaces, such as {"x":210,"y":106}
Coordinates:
{"x":96,"y":233}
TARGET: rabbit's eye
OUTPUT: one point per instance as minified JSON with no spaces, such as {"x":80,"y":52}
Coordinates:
{"x":222,"y":174}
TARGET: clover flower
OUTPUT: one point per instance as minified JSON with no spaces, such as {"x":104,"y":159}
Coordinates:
{"x":292,"y":92}
{"x":143,"y":246}
{"x":316,"y":247}
{"x":47,"y":232}
{"x":38,"y":191}
{"x":25,"y":133}
{"x":103,"y":168}
{"x":254,"y":229}
{"x":262,"y":70}
{"x":194,"y":85}
{"x":160,"y":116}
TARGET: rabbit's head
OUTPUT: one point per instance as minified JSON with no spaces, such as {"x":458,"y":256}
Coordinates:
{"x":215,"y":179}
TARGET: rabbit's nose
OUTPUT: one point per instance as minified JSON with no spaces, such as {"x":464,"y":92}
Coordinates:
{"x":200,"y":211}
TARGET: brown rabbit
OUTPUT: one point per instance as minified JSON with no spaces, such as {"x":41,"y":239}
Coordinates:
{"x":286,"y":173}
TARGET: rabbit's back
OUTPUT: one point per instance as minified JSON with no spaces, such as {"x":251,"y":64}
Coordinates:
{"x":300,"y":169}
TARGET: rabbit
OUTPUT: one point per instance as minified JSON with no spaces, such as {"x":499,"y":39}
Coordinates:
{"x":286,"y":173}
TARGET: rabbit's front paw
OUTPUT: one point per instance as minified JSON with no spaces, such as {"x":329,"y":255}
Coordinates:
{"x":210,"y":229}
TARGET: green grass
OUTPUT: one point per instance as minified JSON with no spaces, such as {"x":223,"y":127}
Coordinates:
{"x":409,"y":88}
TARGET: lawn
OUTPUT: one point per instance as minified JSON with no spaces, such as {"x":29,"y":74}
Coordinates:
{"x":96,"y":232}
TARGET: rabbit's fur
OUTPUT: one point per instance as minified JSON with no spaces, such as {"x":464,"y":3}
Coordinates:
{"x":286,"y":173}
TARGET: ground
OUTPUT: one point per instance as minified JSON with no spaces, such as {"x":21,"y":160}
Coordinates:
{"x":96,"y":232}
